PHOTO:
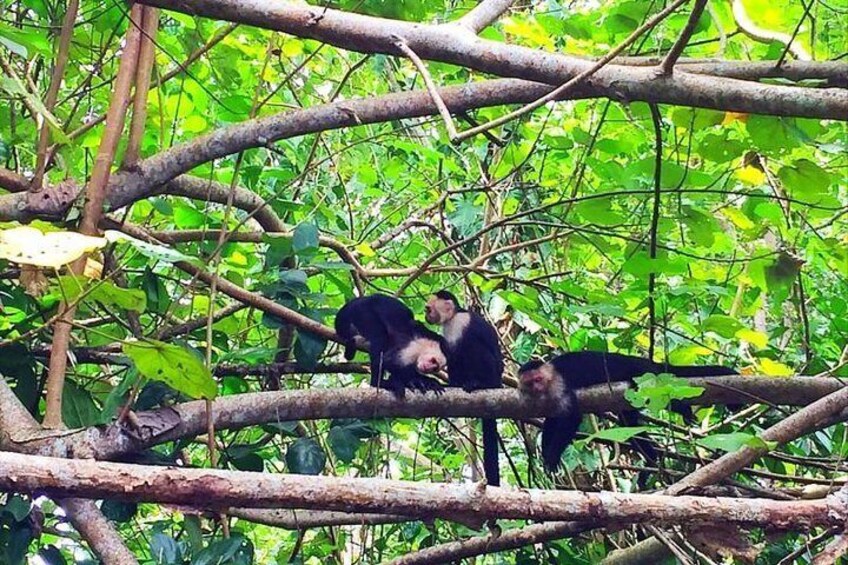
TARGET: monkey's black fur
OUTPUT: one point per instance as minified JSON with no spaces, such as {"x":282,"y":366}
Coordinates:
{"x":475,"y":362}
{"x":388,"y":326}
{"x":587,"y":368}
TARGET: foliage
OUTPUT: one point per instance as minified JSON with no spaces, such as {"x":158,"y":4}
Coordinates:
{"x":751,"y":267}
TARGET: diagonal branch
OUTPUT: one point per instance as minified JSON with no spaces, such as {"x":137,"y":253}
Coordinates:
{"x":679,"y":45}
{"x":580,"y":78}
{"x":484,"y":14}
{"x":431,"y":87}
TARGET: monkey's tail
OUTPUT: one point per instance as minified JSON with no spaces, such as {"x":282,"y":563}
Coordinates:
{"x":490,"y":452}
{"x":559,"y":431}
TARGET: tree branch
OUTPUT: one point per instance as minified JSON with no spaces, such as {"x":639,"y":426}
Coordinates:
{"x":222,"y":489}
{"x":677,"y":49}
{"x":484,"y":14}
{"x":368,"y":34}
{"x":240,"y":411}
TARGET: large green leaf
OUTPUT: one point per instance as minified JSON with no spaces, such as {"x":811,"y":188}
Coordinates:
{"x":175,"y":366}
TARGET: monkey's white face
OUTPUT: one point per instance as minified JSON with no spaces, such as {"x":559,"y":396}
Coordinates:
{"x":426,"y":354}
{"x":540,"y":381}
{"x":439,"y":311}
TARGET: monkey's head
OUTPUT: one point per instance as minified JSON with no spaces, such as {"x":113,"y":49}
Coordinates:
{"x":441,"y":308}
{"x":538,"y":379}
{"x":431,"y":358}
{"x":425,"y":353}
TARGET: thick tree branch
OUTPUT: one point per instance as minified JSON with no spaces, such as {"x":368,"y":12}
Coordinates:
{"x":368,"y":34}
{"x":12,"y":181}
{"x":240,"y":411}
{"x":16,"y":421}
{"x":792,"y":427}
{"x":222,"y":489}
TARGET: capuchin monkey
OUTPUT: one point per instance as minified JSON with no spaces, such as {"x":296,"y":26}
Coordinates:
{"x":474,"y":362}
{"x":563,"y":375}
{"x":397,"y":343}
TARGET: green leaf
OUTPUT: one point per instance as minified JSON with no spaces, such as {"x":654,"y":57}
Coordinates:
{"x":655,"y":392}
{"x":175,"y":366}
{"x":110,"y":294}
{"x":237,"y":550}
{"x":732,"y":442}
{"x":24,"y":42}
{"x":249,"y":462}
{"x":78,"y":408}
{"x":17,"y":506}
{"x":305,"y":457}
{"x":308,"y":349}
{"x":725,"y":326}
{"x":305,"y":237}
{"x":343,"y":443}
{"x":805,"y":180}
{"x":164,"y":550}
{"x":15,"y":87}
{"x":618,"y":434}
{"x":599,"y":211}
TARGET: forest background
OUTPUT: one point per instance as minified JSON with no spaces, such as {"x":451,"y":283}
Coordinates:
{"x":255,"y":165}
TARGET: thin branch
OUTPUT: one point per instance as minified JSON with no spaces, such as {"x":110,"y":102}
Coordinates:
{"x":302,"y":519}
{"x":673,"y":55}
{"x":481,"y":545}
{"x":146,"y":59}
{"x":219,"y":36}
{"x":484,"y":14}
{"x":62,"y":52}
{"x":755,"y":32}
{"x":431,"y":86}
{"x":656,"y":119}
{"x":92,"y":212}
{"x":579,"y":79}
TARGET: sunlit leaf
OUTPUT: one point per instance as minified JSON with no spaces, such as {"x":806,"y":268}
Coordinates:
{"x":175,"y":366}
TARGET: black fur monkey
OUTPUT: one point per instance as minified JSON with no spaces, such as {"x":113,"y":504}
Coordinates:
{"x":474,"y":362}
{"x":397,"y":343}
{"x":564,"y":374}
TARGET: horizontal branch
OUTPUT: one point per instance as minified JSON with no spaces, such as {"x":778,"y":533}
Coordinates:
{"x":303,"y":519}
{"x":221,"y":489}
{"x":453,"y":43}
{"x":239,"y":411}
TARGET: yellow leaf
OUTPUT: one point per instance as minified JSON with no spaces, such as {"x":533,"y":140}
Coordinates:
{"x":365,"y":250}
{"x":29,"y":246}
{"x":755,"y":338}
{"x":751,"y":175}
{"x":730,"y":117}
{"x":93,"y":269}
{"x":739,"y":219}
{"x":775,"y":368}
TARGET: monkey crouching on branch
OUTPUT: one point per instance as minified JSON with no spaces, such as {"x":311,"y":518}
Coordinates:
{"x":563,"y":375}
{"x":397,"y":343}
{"x":474,"y":362}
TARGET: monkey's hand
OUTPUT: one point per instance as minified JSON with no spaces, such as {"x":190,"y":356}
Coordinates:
{"x":426,"y":384}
